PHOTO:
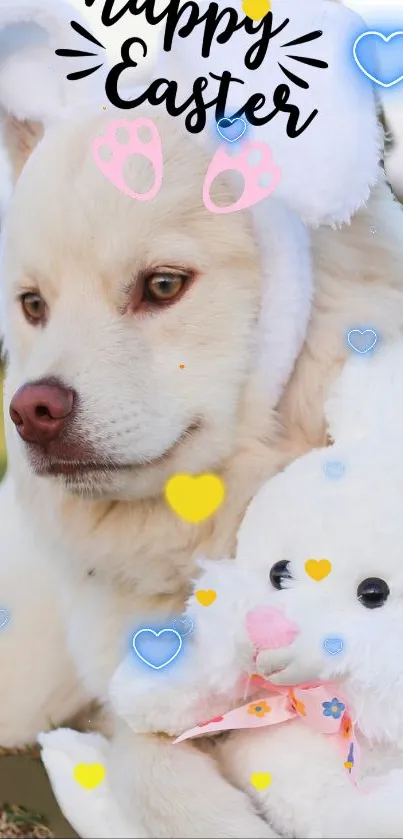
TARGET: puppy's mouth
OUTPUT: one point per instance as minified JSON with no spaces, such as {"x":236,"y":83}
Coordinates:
{"x":74,"y":462}
{"x":71,"y":468}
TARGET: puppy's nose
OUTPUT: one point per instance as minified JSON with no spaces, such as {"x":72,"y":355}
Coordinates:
{"x":41,"y":411}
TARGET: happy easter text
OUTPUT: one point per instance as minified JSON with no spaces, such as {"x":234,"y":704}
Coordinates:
{"x":166,"y":90}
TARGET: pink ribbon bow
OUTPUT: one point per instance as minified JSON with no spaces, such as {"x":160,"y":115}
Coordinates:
{"x":319,"y":706}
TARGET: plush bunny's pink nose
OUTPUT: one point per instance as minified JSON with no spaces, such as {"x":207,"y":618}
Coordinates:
{"x":269,"y":629}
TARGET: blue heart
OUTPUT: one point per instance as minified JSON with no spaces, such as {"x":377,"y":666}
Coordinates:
{"x":231,"y":129}
{"x":390,"y":59}
{"x":157,"y":649}
{"x":333,"y":646}
{"x":334,"y":469}
{"x":362,"y":340}
{"x":183,"y":625}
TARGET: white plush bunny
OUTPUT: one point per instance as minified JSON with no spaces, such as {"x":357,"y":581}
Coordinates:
{"x":314,"y":600}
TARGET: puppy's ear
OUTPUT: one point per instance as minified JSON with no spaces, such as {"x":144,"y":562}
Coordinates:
{"x":20,"y":138}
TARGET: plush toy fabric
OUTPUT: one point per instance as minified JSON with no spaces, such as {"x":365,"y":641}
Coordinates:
{"x":304,"y":634}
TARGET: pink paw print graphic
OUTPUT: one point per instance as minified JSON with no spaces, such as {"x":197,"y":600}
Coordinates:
{"x":111,"y":153}
{"x":260,"y":177}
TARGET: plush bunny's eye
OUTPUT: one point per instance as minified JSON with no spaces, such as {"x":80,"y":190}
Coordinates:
{"x":280,"y":572}
{"x":373,"y":592}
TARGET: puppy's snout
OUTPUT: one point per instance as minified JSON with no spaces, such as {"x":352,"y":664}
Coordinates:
{"x":41,"y":411}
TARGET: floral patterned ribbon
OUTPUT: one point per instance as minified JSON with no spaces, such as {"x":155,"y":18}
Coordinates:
{"x":317,"y":706}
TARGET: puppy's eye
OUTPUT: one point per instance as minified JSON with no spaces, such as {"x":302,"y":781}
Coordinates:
{"x":34,"y":307}
{"x":373,"y":592}
{"x":164,"y":286}
{"x":280,"y":572}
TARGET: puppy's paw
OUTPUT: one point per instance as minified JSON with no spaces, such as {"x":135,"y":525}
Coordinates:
{"x":112,"y":150}
{"x":260,"y":178}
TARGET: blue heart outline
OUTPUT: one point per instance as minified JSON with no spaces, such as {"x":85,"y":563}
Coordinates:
{"x":362,"y":332}
{"x":328,"y":642}
{"x":231,"y":121}
{"x":183,"y":620}
{"x":157,"y":634}
{"x":385,"y":39}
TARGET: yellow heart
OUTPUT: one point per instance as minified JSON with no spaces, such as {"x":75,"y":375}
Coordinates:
{"x":318,"y":569}
{"x":261,"y":780}
{"x":194,"y":499}
{"x":206,"y":597}
{"x":256,"y":9}
{"x":89,"y":775}
{"x":348,"y":764}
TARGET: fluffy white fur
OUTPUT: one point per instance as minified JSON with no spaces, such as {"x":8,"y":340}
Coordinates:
{"x":355,"y":522}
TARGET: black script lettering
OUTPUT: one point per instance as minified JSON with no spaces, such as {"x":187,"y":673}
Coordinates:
{"x":174,"y":15}
{"x":169,"y":96}
{"x":221,"y":99}
{"x":280,"y":100}
{"x":212,"y":22}
{"x":112,"y":79}
{"x":108,"y":19}
{"x":173,"y":109}
{"x":254,"y":103}
{"x":151,"y":95}
{"x":155,"y":96}
{"x":164,"y":90}
{"x":196,"y":119}
{"x":199,"y":112}
{"x":107,"y":12}
{"x":257,"y":52}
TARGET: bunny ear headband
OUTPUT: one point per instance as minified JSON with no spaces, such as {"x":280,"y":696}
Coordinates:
{"x":320,"y":175}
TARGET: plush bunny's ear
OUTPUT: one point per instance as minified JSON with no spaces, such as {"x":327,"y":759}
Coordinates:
{"x":33,"y":83}
{"x":367,"y":398}
{"x":34,"y":89}
{"x":329,"y":166}
{"x":287,"y":289}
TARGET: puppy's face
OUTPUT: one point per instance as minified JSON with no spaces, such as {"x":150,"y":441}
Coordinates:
{"x":130,"y":322}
